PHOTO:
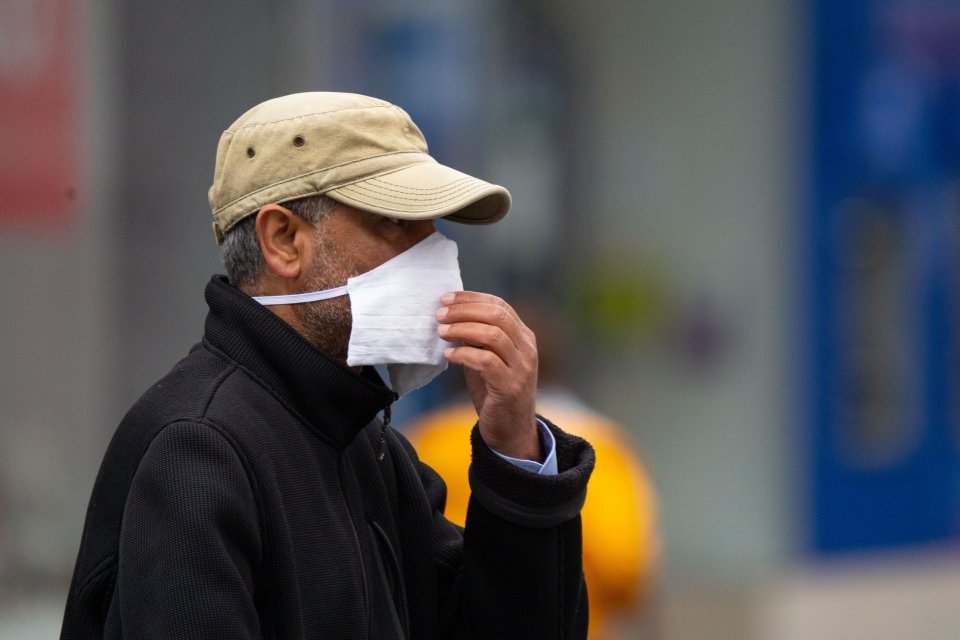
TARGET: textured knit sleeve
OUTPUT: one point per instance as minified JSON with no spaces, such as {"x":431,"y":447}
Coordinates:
{"x":190,"y":541}
{"x":520,"y":574}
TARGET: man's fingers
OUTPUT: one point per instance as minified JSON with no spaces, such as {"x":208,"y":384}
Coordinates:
{"x":478,"y":360}
{"x":485,"y":336}
{"x":496,"y":376}
{"x":467,"y":303}
{"x":469,"y":307}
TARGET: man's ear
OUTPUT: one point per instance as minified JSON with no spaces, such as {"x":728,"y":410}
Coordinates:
{"x":285,"y":240}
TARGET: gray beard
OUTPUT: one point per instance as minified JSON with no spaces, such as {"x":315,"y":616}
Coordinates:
{"x":326,"y":324}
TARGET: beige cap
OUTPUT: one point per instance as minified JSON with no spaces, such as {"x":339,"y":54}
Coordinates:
{"x":360,"y":151}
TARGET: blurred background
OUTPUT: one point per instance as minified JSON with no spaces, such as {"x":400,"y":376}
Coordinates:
{"x":738,"y":222}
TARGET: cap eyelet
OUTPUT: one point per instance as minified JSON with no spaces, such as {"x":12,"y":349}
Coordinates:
{"x":298,"y":141}
{"x":251,"y":152}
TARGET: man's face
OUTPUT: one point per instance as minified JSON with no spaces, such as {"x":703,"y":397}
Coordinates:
{"x":348,"y":242}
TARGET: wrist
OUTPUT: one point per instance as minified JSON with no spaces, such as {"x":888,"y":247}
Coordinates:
{"x":522,"y":445}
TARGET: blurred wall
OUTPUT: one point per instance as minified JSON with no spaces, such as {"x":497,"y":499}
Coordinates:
{"x":693,"y":182}
{"x":57,"y":319}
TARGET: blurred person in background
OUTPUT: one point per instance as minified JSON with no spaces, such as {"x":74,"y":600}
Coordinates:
{"x":254,"y":491}
{"x":621,"y":541}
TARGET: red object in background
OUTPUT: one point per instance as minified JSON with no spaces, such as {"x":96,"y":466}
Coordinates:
{"x":38,"y":113}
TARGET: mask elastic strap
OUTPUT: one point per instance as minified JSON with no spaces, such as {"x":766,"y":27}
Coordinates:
{"x":297,"y":298}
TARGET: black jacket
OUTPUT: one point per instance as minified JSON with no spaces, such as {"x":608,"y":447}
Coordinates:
{"x":242,"y":497}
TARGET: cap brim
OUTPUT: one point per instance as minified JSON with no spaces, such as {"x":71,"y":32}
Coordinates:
{"x":424,"y":191}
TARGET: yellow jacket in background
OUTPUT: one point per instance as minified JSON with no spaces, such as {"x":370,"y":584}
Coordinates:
{"x":620,"y":541}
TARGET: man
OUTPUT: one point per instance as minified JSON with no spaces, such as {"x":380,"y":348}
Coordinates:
{"x":254,"y":492}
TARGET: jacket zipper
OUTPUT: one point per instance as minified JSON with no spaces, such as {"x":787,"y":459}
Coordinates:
{"x":385,"y":425}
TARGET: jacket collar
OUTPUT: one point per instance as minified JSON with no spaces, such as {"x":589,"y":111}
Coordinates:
{"x":332,"y":399}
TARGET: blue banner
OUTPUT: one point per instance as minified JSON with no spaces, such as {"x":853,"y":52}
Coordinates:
{"x":884,"y":240}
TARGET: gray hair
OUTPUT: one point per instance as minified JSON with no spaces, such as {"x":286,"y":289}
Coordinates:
{"x":240,"y":250}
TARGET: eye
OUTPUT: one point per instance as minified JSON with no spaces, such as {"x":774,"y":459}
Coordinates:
{"x":396,"y":221}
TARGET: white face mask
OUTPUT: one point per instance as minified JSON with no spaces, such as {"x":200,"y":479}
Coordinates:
{"x":393,"y":308}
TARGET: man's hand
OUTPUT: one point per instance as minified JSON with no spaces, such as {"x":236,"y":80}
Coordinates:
{"x":499,"y":356}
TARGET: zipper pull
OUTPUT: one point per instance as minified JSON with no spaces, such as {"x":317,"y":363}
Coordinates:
{"x":383,"y":428}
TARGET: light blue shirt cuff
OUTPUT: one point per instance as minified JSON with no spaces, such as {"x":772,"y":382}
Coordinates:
{"x":549,"y":465}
